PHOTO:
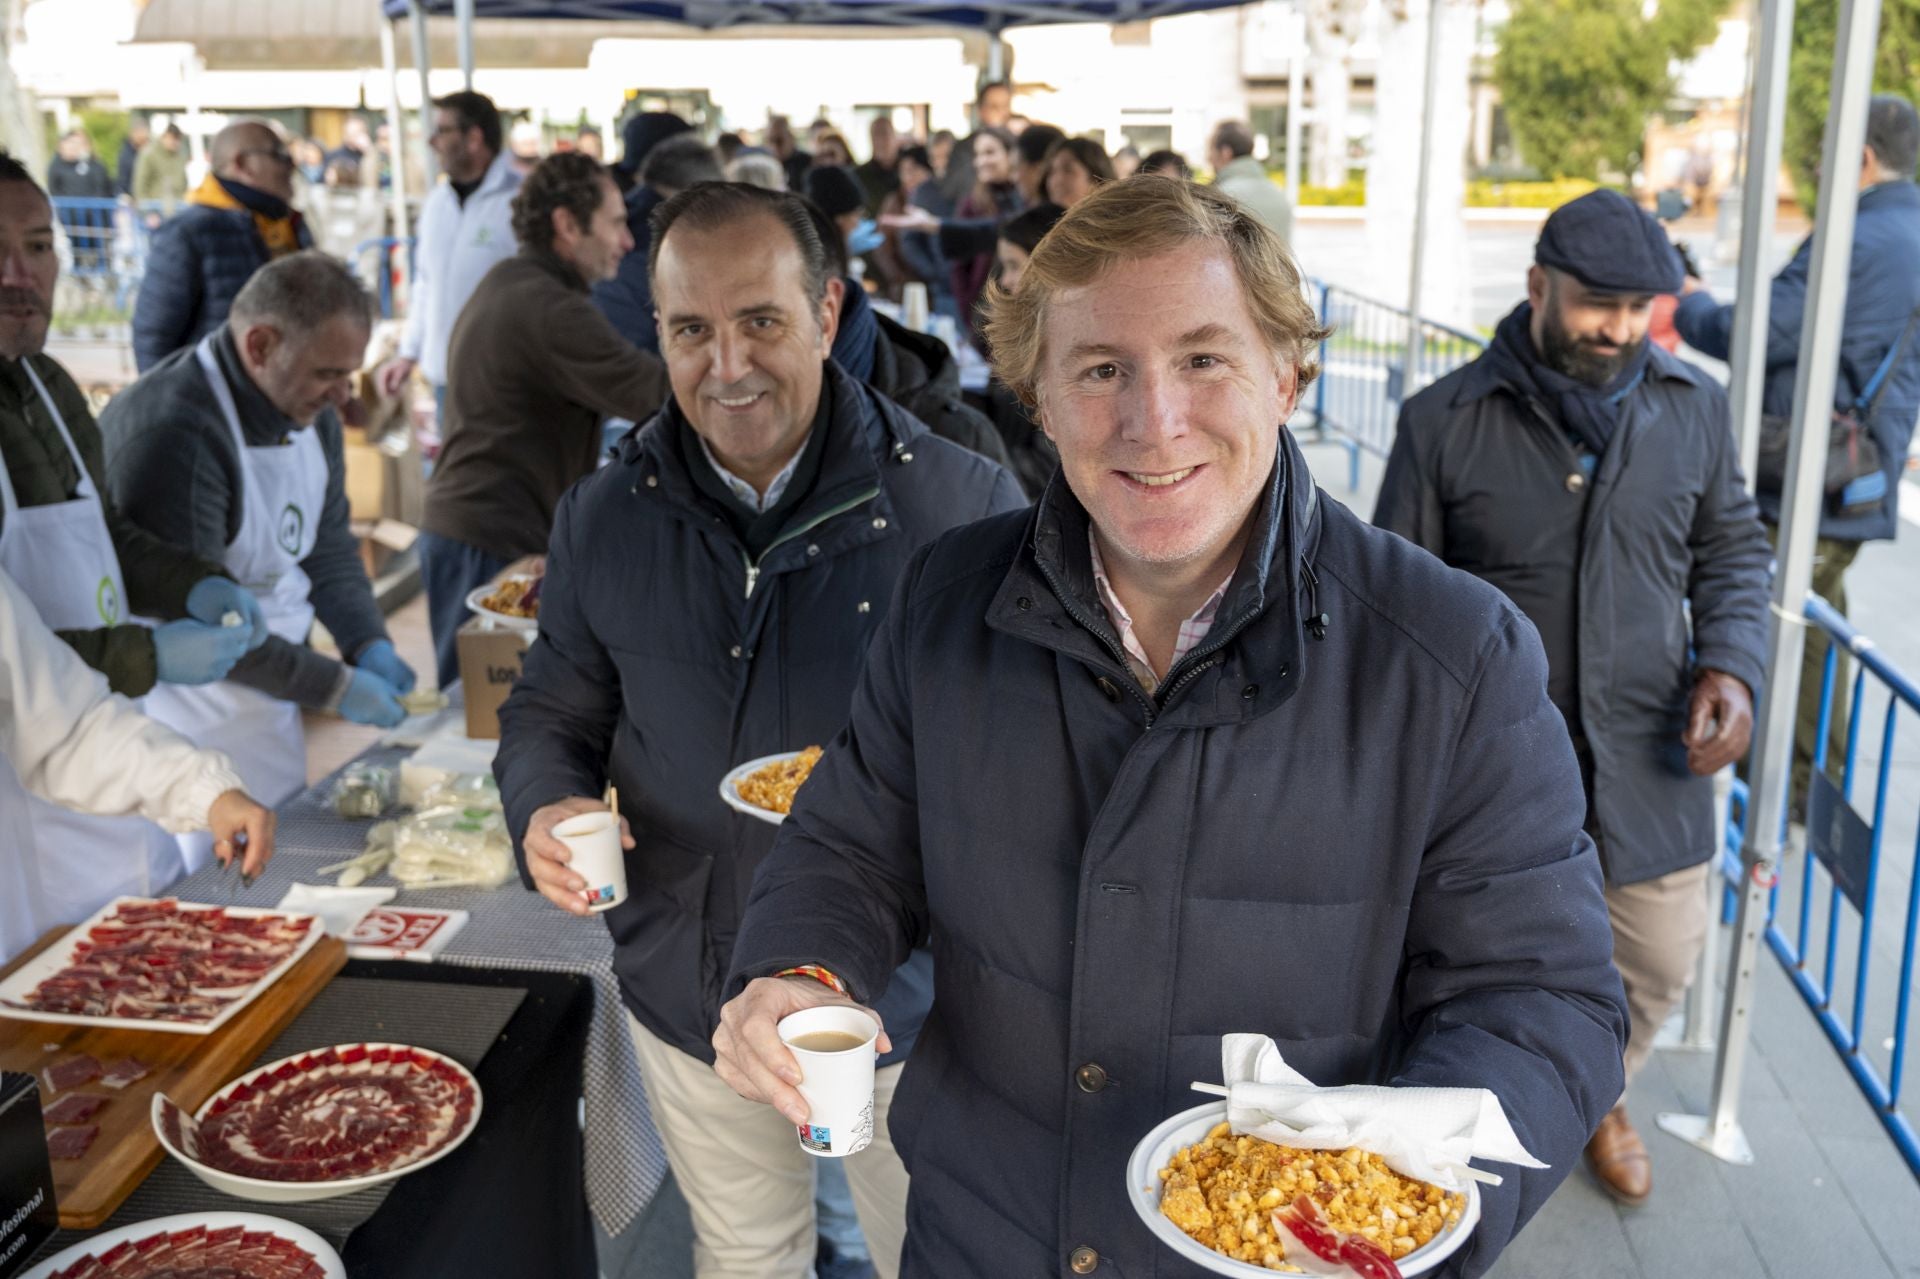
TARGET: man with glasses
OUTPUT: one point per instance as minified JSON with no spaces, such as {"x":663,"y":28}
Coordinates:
{"x":235,"y":222}
{"x":466,"y":226}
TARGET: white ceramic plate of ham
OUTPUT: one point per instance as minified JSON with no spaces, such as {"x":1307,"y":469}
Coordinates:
{"x":196,"y":1225}
{"x":154,"y":929}
{"x":310,"y":1097}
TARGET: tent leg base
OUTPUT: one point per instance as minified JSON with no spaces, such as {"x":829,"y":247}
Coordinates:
{"x":1729,"y":1144}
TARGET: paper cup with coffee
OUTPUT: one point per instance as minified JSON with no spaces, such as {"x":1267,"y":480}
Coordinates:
{"x":834,"y":1046}
{"x":594,"y":841}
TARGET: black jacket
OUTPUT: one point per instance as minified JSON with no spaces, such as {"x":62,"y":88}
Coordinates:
{"x":1882,"y":291}
{"x":1034,"y":459}
{"x":918,"y":372}
{"x":1367,"y":846}
{"x":665,"y":659}
{"x":1606,"y":567}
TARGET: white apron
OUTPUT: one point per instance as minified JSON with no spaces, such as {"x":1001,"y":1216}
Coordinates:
{"x":283,"y":487}
{"x":70,"y":865}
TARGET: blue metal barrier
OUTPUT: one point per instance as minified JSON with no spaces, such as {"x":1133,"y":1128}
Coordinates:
{"x":107,"y":244}
{"x":1362,"y":368}
{"x":383,"y":265}
{"x":1846,"y":851}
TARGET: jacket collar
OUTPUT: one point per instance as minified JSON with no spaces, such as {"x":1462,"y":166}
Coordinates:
{"x":552,"y":265}
{"x":863,"y":439}
{"x":500,"y":174}
{"x":1251,"y":659}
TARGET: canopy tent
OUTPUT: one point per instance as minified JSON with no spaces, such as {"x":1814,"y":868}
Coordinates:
{"x":714,"y":15}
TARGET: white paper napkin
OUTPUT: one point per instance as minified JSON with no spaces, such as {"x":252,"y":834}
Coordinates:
{"x":1425,"y":1133}
{"x":339,"y":908}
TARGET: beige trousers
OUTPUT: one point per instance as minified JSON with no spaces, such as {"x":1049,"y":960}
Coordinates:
{"x":1659,"y":926}
{"x":746,"y":1180}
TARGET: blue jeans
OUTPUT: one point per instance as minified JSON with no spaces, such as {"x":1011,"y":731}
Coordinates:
{"x":451,"y":570}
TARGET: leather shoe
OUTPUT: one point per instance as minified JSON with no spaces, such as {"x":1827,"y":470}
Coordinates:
{"x":1619,"y":1159}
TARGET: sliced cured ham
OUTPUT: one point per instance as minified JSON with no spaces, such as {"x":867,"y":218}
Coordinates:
{"x":199,"y":1253}
{"x":162,"y":961}
{"x":336,"y":1114}
{"x":70,"y":1072}
{"x":327,"y":1118}
{"x":74,"y":1108}
{"x":124,"y":1071}
{"x":71,"y":1143}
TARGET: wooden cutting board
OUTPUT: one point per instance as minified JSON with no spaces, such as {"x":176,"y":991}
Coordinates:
{"x":188,"y":1068}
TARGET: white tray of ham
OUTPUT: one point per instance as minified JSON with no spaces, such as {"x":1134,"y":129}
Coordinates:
{"x":245,"y":1245}
{"x":153,"y":928}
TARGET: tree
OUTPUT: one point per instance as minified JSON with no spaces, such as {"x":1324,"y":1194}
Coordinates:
{"x":1579,"y":78}
{"x":1810,"y":73}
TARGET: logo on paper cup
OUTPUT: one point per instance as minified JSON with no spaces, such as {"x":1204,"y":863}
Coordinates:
{"x":815,"y":1137}
{"x":600,"y":896}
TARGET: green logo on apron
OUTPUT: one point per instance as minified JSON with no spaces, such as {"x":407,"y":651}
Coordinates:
{"x":293,"y":523}
{"x":107,"y":600}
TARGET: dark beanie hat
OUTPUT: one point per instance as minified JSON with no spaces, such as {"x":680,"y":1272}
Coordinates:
{"x":835,"y":190}
{"x":1608,"y":242}
{"x":643,"y":132}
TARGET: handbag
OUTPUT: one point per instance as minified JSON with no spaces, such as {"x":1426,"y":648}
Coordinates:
{"x":1855,"y":483}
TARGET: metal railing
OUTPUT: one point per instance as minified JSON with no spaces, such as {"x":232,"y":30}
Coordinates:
{"x":374,"y":260}
{"x":103,"y":254}
{"x":1363,"y":368}
{"x":1834,"y":898}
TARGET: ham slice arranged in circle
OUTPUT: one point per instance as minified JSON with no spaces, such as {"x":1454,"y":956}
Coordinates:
{"x":346,"y":1112}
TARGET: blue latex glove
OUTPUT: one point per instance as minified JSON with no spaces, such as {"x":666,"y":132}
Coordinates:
{"x":865,"y":237}
{"x":212,"y":598}
{"x":371,"y":700}
{"x":190,"y":652}
{"x":380,"y":658}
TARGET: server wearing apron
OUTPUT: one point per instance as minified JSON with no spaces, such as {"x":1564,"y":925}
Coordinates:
{"x":69,"y":741}
{"x":232,"y":449}
{"x":84,"y":568}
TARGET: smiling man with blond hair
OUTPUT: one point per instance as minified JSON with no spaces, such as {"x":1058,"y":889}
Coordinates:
{"x":1186,"y":749}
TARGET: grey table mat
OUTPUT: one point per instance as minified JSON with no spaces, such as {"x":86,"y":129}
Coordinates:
{"x":509,"y":927}
{"x":459,"y":1021}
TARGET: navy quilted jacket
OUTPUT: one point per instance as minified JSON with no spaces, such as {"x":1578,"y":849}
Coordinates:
{"x":199,"y":259}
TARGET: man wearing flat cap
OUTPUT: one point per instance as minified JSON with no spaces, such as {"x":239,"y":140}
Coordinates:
{"x":1595,"y":479}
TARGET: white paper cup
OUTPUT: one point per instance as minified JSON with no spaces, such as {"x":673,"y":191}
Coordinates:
{"x":838,"y":1086}
{"x":594,"y":841}
{"x":913,"y":306}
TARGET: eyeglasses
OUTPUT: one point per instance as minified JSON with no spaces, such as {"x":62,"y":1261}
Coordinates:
{"x":279,"y":155}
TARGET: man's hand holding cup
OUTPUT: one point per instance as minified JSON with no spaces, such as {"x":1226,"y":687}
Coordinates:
{"x":751,"y":1056}
{"x":550,"y":861}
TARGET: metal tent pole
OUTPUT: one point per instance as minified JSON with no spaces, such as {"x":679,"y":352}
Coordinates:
{"x":1759,"y":203}
{"x":396,"y":135}
{"x":1718,"y":1132}
{"x":422,"y":57}
{"x":1295,"y":70}
{"x":1410,"y":378}
{"x":463,"y":21}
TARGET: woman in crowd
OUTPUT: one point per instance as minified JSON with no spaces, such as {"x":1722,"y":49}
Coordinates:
{"x":1075,"y":167}
{"x":994,"y":197}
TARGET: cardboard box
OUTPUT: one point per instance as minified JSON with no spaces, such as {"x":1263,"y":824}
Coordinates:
{"x":490,"y":662}
{"x":366,"y":477}
{"x":28,"y":1213}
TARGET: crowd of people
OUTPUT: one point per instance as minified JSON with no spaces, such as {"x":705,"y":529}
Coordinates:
{"x":1136,"y":737}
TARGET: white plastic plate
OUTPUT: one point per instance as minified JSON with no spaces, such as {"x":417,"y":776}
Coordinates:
{"x":730,"y":787}
{"x":531,"y":625}
{"x":94,"y":1245}
{"x":57,"y":956}
{"x":1156,"y":1151}
{"x":262,"y":1191}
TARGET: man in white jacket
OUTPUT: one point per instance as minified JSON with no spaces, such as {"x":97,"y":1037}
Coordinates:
{"x":75,"y":743}
{"x":465,"y":227}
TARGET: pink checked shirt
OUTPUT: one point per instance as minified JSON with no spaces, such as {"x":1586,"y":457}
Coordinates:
{"x":1192,"y":631}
